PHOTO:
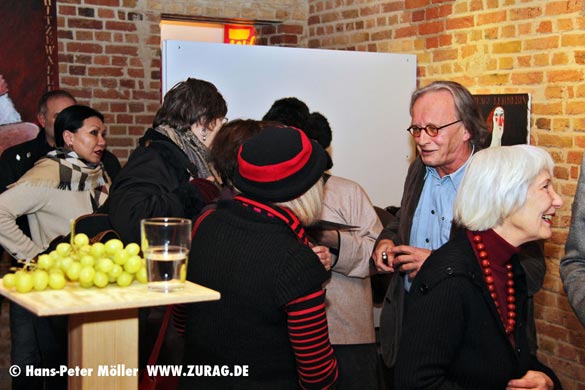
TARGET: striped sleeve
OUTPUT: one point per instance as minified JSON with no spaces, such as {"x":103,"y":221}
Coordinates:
{"x":309,"y":337}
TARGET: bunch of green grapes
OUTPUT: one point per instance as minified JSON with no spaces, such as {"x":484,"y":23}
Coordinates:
{"x":89,"y":265}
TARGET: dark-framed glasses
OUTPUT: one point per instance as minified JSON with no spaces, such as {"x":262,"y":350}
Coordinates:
{"x":431,"y":130}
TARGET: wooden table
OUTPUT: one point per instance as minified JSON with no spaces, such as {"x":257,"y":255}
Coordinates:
{"x":103,"y":327}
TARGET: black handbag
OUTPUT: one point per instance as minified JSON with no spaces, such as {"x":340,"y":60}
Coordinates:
{"x":96,"y":226}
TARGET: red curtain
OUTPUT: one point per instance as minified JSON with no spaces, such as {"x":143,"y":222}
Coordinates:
{"x":28,"y":51}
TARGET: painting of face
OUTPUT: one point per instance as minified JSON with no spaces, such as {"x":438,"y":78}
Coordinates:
{"x":533,"y":220}
{"x":497,"y":126}
{"x":450,"y":148}
{"x":88,"y":141}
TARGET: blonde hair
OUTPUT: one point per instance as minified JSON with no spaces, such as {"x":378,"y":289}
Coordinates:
{"x":307,"y":207}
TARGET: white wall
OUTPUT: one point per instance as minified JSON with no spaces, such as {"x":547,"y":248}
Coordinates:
{"x":365,"y":97}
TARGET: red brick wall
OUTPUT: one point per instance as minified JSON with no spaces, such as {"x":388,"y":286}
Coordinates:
{"x":494,"y":46}
{"x":110,"y":58}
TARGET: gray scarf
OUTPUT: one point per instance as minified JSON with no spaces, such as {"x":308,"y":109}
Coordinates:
{"x":188,"y":142}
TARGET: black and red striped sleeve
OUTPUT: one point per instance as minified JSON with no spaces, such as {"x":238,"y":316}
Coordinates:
{"x":309,"y":337}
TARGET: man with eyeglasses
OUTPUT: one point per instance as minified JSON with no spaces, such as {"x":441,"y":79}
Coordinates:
{"x":447,"y":129}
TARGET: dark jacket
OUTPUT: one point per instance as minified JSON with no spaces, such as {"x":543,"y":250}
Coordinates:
{"x":153,"y":183}
{"x":453,"y":337}
{"x":531,"y":258}
{"x":258,"y":265}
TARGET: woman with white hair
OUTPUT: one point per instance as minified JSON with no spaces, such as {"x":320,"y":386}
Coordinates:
{"x":466,"y":311}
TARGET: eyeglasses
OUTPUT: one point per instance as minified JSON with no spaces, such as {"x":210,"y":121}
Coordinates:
{"x":431,"y":130}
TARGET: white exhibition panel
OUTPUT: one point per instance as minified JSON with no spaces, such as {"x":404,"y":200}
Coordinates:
{"x":365,"y":97}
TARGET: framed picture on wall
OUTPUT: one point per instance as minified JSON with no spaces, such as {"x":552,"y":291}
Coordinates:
{"x":28,"y":52}
{"x":507,"y":117}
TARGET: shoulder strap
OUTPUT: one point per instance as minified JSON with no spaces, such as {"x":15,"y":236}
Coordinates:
{"x":200,"y":219}
{"x":161,"y":335}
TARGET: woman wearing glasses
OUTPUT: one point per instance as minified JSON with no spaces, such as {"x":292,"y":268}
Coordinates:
{"x":155,"y":182}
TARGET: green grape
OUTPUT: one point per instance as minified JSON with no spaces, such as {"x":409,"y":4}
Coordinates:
{"x":183,"y":273}
{"x":65,"y":263}
{"x":86,"y":275}
{"x":100,"y":279}
{"x":133,"y":264}
{"x":45,"y":262}
{"x":142,"y":275}
{"x":115,"y":272}
{"x":81,"y":239}
{"x":124,"y":280}
{"x":104,"y":265}
{"x":121,"y":257}
{"x":9,"y":280}
{"x":40,"y":279}
{"x":24,"y":282}
{"x":132,"y":249}
{"x":86,"y":284}
{"x":73,"y":271}
{"x":63,"y":249}
{"x":98,"y":250}
{"x":57,"y":280}
{"x":84,"y":250}
{"x":114,"y":246}
{"x":56,"y":270}
{"x":88,"y":260}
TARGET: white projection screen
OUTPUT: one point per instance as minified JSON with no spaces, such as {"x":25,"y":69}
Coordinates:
{"x":365,"y":97}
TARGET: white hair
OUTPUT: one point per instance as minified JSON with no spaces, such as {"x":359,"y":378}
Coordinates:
{"x":496,"y":183}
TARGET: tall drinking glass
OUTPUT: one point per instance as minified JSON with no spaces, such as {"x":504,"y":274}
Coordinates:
{"x":165,"y":245}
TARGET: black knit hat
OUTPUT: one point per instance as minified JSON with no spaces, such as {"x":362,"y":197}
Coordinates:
{"x":279,"y":164}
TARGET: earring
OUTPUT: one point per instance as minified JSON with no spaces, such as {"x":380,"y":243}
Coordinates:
{"x":203,"y":133}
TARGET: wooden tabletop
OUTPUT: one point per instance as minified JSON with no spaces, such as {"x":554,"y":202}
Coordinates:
{"x":74,"y":299}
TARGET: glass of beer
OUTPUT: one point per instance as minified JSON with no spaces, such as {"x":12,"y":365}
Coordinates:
{"x":165,"y":245}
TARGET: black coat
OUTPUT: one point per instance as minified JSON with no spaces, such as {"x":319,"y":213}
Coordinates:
{"x":153,"y":183}
{"x":531,"y":258}
{"x":452,"y":335}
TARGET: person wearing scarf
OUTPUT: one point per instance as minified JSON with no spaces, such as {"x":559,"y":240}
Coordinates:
{"x":466,"y":312}
{"x":253,"y":249}
{"x":68,"y":182}
{"x":156,"y":180}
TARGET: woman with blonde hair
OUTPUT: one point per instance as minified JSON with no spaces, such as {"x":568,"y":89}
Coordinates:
{"x":254,"y":250}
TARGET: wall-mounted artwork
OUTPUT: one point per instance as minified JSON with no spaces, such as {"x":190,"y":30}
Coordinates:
{"x":28,"y":53}
{"x":507,"y":117}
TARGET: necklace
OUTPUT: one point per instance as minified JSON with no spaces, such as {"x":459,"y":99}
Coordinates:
{"x":510,"y":320}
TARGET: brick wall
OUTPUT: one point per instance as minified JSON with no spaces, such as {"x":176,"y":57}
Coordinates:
{"x":109,"y":52}
{"x":494,"y":46}
{"x":109,"y":57}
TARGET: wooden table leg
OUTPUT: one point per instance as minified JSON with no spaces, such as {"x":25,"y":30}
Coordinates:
{"x":107,"y":344}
